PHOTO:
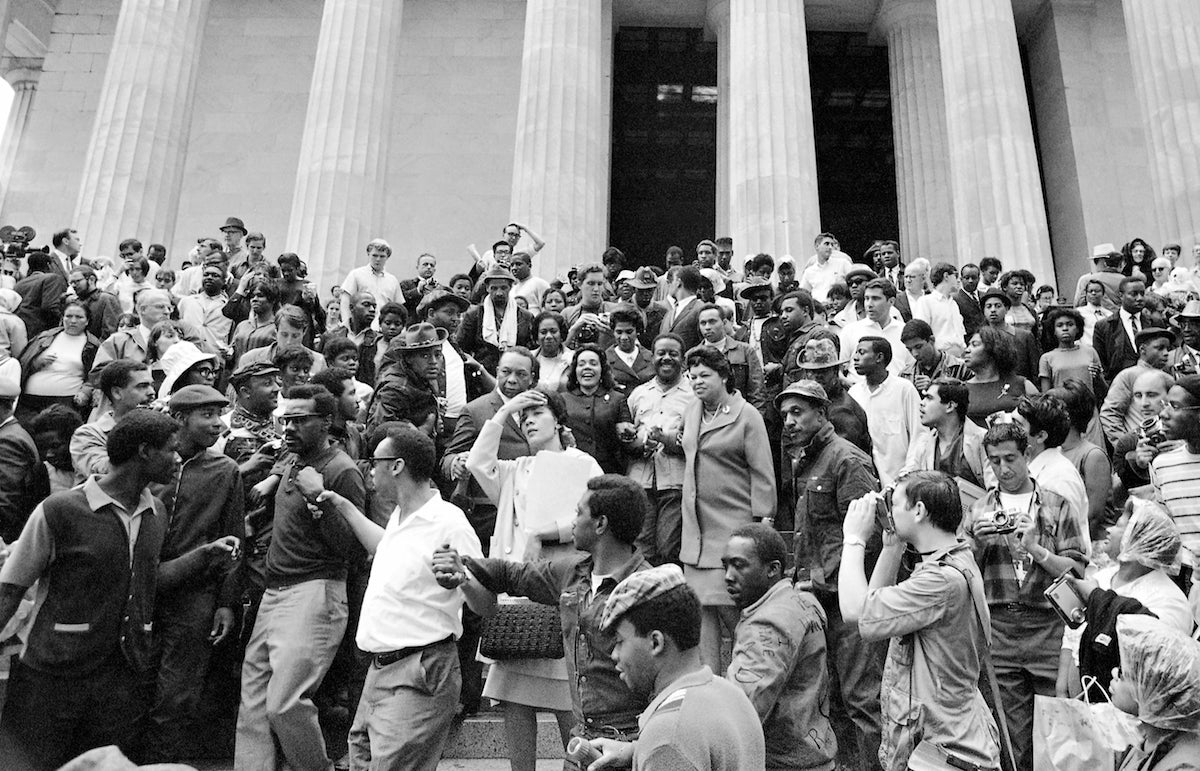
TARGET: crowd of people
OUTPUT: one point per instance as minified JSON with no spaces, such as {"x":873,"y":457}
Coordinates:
{"x":786,"y":515}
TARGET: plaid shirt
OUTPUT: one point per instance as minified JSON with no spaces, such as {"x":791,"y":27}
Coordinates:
{"x":1057,"y":530}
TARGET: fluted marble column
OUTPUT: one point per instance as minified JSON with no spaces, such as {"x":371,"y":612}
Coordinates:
{"x":772,"y":159}
{"x":338,"y":202}
{"x":562,"y":144}
{"x":134,"y":167}
{"x":718,"y":26}
{"x":1164,"y":44}
{"x":997,"y":191}
{"x":24,"y":84}
{"x":919,"y":128}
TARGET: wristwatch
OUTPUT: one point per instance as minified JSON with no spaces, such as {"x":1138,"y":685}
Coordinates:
{"x":853,"y":540}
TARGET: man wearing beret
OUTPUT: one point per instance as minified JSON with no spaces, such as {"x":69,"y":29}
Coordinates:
{"x":695,"y":718}
{"x":204,"y":504}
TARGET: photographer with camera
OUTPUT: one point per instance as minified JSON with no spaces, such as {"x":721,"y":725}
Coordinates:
{"x":1024,"y":536}
{"x":930,"y":692}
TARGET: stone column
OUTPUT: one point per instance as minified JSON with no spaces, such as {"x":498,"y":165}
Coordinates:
{"x":339,"y":198}
{"x":919,"y":128}
{"x":997,"y":191}
{"x":135,"y":159}
{"x":772,"y":157}
{"x":1164,"y":44}
{"x":562,"y":142}
{"x":24,"y":83}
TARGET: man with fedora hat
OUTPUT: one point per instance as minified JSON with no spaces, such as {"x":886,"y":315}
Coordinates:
{"x":1106,"y":268}
{"x":645,"y":283}
{"x":405,"y":388}
{"x":461,"y":378}
{"x":829,"y":473}
{"x":1117,"y":416}
{"x":497,"y":323}
{"x":234,"y":230}
{"x":1185,"y":360}
{"x":821,"y":363}
{"x":204,"y":505}
{"x":855,"y":310}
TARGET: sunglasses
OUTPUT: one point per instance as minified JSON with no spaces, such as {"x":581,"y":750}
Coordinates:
{"x":298,"y":418}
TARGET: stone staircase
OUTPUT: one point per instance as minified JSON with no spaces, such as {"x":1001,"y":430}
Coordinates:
{"x":482,"y":736}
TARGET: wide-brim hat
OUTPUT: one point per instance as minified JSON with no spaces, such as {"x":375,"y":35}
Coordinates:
{"x":861,"y":270}
{"x":998,"y":294}
{"x":715,"y":278}
{"x":439,"y":297}
{"x":805,"y":389}
{"x":497,"y":272}
{"x":178,"y":359}
{"x":644,"y":278}
{"x":419,"y":337}
{"x":233,"y":223}
{"x":820,"y":353}
{"x":756,"y":285}
{"x":1190,"y":311}
{"x":625,"y":275}
{"x":1101,"y":251}
{"x":1153,"y":333}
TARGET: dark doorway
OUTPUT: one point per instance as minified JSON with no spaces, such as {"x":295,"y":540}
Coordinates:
{"x":664,"y":142}
{"x":852,"y":120}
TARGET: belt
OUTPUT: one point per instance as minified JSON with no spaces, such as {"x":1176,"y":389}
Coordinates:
{"x":391,"y":657}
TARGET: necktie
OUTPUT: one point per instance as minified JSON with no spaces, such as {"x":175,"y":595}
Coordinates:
{"x":1133,"y":324}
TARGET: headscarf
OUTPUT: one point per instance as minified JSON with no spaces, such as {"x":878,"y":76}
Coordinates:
{"x":1163,"y":667}
{"x":1151,"y":538}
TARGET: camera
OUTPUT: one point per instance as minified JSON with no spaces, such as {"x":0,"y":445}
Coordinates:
{"x":883,"y":508}
{"x":1004,"y":520}
{"x":1066,"y":601}
{"x":581,"y":751}
{"x":587,"y":334}
{"x":1152,"y":429}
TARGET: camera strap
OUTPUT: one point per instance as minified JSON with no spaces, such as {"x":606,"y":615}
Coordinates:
{"x":980,"y":605}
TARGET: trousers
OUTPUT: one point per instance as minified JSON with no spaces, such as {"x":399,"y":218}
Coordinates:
{"x":1026,"y":643}
{"x":183,"y":622}
{"x":296,"y":634}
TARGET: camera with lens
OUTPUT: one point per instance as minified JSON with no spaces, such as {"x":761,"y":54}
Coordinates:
{"x":587,"y":334}
{"x":14,"y":242}
{"x":1152,"y":429}
{"x":1003,"y":520}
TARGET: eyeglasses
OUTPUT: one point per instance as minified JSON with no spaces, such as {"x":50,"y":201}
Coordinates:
{"x":206,"y":371}
{"x":854,"y":281}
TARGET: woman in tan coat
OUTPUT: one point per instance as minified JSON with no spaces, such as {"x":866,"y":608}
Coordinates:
{"x":728,"y":482}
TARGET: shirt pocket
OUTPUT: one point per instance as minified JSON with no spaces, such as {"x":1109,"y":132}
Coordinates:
{"x":821,"y":495}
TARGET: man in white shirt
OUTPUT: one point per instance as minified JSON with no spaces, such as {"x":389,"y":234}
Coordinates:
{"x":512,"y":235}
{"x":940,"y":310}
{"x":892,"y":405}
{"x":204,"y":310}
{"x":372,"y":278}
{"x":409,"y":623}
{"x":878,"y":298}
{"x":820,"y":275}
{"x":1047,"y":423}
{"x":890,"y":267}
{"x":914,"y":287}
{"x":529,"y":286}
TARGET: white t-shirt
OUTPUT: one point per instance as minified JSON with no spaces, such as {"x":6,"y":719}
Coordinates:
{"x":456,"y":381}
{"x":63,"y":376}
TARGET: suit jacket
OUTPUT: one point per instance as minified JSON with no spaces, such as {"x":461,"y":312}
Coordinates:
{"x":626,"y":378}
{"x":23,"y":479}
{"x":413,"y":293}
{"x":1113,"y":345}
{"x":41,"y":301}
{"x":972,"y":313}
{"x":478,"y":412}
{"x":686,"y":324}
{"x":470,"y":336}
{"x":901,"y":304}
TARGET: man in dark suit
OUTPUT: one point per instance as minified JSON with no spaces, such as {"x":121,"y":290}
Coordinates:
{"x":1114,"y":336}
{"x":967,"y":298}
{"x":65,"y":252}
{"x":23,"y":479}
{"x":41,"y":294}
{"x":415,"y":289}
{"x":516,"y":372}
{"x":684,"y":319}
{"x":484,"y":333}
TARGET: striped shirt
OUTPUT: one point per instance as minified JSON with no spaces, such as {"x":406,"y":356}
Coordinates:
{"x":1176,"y":479}
{"x":1058,"y":531}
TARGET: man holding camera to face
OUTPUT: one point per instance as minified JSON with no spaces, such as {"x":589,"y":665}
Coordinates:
{"x":936,"y":620}
{"x":1024,"y":536}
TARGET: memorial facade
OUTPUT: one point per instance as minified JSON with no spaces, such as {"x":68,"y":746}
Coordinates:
{"x":1024,"y":129}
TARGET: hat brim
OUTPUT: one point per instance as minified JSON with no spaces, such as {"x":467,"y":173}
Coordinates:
{"x":829,"y":365}
{"x":642,"y":284}
{"x":243,"y":231}
{"x":442,"y":336}
{"x":752,"y":288}
{"x":793,"y":395}
{"x":236,"y":376}
{"x":462,"y":303}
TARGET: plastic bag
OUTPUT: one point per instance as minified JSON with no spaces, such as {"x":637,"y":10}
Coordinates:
{"x":1069,"y":735}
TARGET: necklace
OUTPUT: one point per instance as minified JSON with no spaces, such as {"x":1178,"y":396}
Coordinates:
{"x":710,"y":415}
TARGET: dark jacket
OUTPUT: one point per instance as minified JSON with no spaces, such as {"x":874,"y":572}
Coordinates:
{"x":23,"y":479}
{"x":686,"y":324}
{"x":1115,"y":349}
{"x":972,"y":313}
{"x":399,"y":394}
{"x":827,"y":475}
{"x":512,"y":442}
{"x":654,"y":314}
{"x":366,"y":352}
{"x":104,"y":313}
{"x":41,"y":301}
{"x":626,"y":378}
{"x":470,"y":336}
{"x":40,"y":343}
{"x":593,"y":420}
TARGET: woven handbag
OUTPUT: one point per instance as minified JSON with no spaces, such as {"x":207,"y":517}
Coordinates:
{"x":522,"y":630}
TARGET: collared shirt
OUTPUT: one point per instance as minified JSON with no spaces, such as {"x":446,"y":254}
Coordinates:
{"x":944,"y":318}
{"x":384,"y":287}
{"x":947,"y":365}
{"x":894,"y":418}
{"x":1091,"y":314}
{"x":34,"y":551}
{"x":1055,"y":473}
{"x":857,"y":330}
{"x":600,"y":699}
{"x":203,"y":311}
{"x":404,"y":606}
{"x":818,"y":278}
{"x":933,"y":660}
{"x":653,"y":406}
{"x":456,"y":380}
{"x":1127,"y":323}
{"x":89,"y":447}
{"x":1008,"y":578}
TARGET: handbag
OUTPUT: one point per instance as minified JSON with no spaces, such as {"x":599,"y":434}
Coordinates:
{"x":928,"y":756}
{"x":522,"y":630}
